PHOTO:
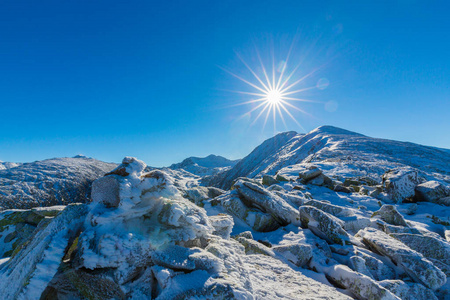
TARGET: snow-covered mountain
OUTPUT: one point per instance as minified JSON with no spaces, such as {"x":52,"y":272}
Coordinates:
{"x":343,"y":152}
{"x":204,"y":166}
{"x":49,"y":182}
{"x":330,"y":214}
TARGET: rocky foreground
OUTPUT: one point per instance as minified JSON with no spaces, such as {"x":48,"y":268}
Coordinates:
{"x":316,"y":221}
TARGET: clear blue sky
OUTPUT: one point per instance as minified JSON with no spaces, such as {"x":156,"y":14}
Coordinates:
{"x":142,"y":78}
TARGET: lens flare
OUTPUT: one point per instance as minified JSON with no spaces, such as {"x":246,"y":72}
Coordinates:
{"x":274,"y":90}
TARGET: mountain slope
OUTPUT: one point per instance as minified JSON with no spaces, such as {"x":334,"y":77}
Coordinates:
{"x":250,"y":165}
{"x":202,"y":166}
{"x":342,"y":151}
{"x":50,"y":182}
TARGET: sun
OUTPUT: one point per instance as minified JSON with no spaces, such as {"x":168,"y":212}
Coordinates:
{"x":275,"y":90}
{"x":274,"y":96}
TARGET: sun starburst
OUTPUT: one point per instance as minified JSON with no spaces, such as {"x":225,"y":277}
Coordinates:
{"x":275,"y":92}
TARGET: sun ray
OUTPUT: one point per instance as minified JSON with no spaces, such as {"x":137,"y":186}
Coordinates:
{"x":299,"y":91}
{"x":301,"y":100}
{"x":263,"y":68}
{"x":242,"y":79}
{"x":251,"y":70}
{"x":260,"y":113}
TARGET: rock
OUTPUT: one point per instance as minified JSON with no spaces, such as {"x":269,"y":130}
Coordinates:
{"x":268,"y":202}
{"x":399,"y":184}
{"x":253,"y":247}
{"x":223,"y":225}
{"x":77,"y":284}
{"x":258,"y":220}
{"x":106,"y":190}
{"x":413,"y":263}
{"x":281,"y":178}
{"x":269,"y":180}
{"x":390,"y":215}
{"x":310,"y":173}
{"x":298,"y":188}
{"x":378,"y":269}
{"x":293,"y":200}
{"x":334,"y":210}
{"x":342,"y":189}
{"x":321,"y":180}
{"x":130,"y":165}
{"x":447,"y":235}
{"x":412,"y":208}
{"x":361,"y":286}
{"x":298,"y":254}
{"x":245,"y":234}
{"x":434,"y":249}
{"x":358,"y":264}
{"x":408,"y":291}
{"x":324,"y":225}
{"x":431,"y":191}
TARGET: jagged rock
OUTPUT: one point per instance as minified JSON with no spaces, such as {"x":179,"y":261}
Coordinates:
{"x":76,"y":284}
{"x":106,"y":190}
{"x":223,"y":225}
{"x":342,"y":189}
{"x":245,"y":234}
{"x":268,"y":202}
{"x":324,"y":225}
{"x":399,"y":184}
{"x":129,"y":166}
{"x":293,"y":200}
{"x":27,"y":273}
{"x":258,"y":220}
{"x":413,"y":263}
{"x":358,"y":264}
{"x":269,"y":180}
{"x":281,"y":178}
{"x":334,"y":210}
{"x":321,"y":180}
{"x":309,"y":173}
{"x":298,"y":254}
{"x":408,"y":291}
{"x":434,"y":249}
{"x":361,"y":286}
{"x":377,"y":268}
{"x":390,"y":215}
{"x":432,"y":191}
{"x":254,"y":247}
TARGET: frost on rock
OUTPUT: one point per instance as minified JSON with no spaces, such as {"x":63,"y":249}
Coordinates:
{"x":413,"y":263}
{"x":399,"y":184}
{"x":223,"y":225}
{"x":324,"y":225}
{"x":390,"y":215}
{"x":432,"y":191}
{"x":261,"y":198}
{"x":27,"y":274}
{"x":435,"y":249}
{"x":335,"y":210}
{"x":408,"y":291}
{"x":298,"y":254}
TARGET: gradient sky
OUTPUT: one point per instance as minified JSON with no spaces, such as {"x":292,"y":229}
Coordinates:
{"x":143,"y":78}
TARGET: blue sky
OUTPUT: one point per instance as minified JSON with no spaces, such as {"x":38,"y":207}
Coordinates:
{"x":144,"y":78}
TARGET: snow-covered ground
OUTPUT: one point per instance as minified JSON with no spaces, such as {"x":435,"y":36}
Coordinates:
{"x":330,"y":214}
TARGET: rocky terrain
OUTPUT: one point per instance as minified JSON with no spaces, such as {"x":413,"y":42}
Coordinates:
{"x":331,"y":214}
{"x":49,"y":182}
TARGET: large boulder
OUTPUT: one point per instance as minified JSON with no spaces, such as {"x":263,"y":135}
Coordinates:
{"x":413,"y":263}
{"x":106,"y":190}
{"x":256,"y":219}
{"x":309,"y":173}
{"x":268,"y":180}
{"x":377,"y":268}
{"x":432,"y":191}
{"x":254,"y":247}
{"x":298,"y":254}
{"x":324,"y":225}
{"x":223,"y":225}
{"x":390,"y":215}
{"x":263,"y":199}
{"x":332,"y":209}
{"x":408,"y":291}
{"x":399,"y":184}
{"x":435,"y":249}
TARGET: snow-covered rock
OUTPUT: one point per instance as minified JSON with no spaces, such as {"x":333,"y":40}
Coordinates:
{"x":432,"y":191}
{"x":299,"y":254}
{"x":413,"y":263}
{"x":399,"y":183}
{"x":390,"y":215}
{"x":267,"y":202}
{"x":408,"y":291}
{"x":324,"y":225}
